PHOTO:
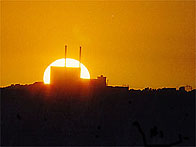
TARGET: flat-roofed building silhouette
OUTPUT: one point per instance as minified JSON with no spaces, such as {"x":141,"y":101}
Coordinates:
{"x":68,"y":78}
{"x":65,"y":76}
{"x":99,"y":82}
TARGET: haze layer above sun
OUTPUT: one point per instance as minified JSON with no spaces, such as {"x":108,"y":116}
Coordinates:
{"x":69,"y":63}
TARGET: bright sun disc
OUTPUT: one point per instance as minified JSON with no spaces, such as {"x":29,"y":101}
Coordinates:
{"x":69,"y":63}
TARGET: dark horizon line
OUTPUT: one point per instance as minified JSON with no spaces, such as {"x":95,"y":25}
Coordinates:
{"x":130,"y":88}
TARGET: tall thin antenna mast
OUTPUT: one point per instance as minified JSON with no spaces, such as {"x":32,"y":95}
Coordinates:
{"x":80,"y":58}
{"x":65,"y":54}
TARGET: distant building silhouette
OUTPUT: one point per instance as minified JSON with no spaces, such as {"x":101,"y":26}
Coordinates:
{"x":68,"y":78}
{"x":63,"y":76}
{"x":182,"y":89}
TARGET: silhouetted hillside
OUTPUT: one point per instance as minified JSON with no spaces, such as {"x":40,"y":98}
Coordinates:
{"x":40,"y":115}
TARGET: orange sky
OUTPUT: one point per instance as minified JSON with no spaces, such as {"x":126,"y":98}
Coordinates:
{"x":142,"y":44}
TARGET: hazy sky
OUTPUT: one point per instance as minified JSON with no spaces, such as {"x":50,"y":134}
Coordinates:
{"x":142,"y":44}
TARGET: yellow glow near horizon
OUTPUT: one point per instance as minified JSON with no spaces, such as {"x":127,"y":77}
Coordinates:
{"x":138,"y":43}
{"x":69,"y":63}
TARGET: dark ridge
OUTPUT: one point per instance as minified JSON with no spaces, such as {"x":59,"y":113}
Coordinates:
{"x":37,"y":114}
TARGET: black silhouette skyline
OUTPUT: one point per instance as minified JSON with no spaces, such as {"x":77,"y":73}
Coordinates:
{"x":147,"y":46}
{"x":36,"y":114}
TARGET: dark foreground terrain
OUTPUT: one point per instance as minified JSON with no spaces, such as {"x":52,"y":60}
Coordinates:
{"x":38,"y":115}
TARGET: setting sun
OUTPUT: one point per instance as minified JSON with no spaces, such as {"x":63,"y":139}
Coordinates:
{"x":69,"y":63}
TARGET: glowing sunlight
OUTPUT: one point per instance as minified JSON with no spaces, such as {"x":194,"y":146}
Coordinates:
{"x":69,"y":63}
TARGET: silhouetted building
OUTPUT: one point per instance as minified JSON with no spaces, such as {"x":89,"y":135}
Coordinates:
{"x":69,"y":78}
{"x":63,"y":76}
{"x":99,"y":82}
{"x":66,"y":77}
{"x":182,"y":89}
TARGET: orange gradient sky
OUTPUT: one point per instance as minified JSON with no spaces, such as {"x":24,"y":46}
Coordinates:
{"x":142,"y":44}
